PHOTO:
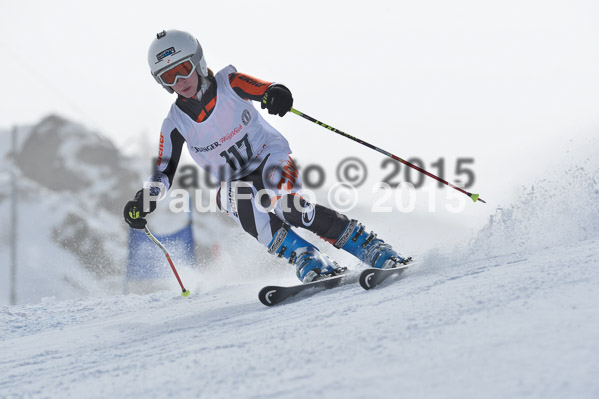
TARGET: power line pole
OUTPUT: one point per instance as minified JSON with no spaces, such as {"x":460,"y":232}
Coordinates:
{"x":13,"y":221}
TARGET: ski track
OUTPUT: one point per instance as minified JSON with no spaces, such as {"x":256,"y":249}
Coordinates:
{"x":521,"y":325}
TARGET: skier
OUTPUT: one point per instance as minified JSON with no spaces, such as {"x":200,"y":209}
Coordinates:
{"x":214,"y":115}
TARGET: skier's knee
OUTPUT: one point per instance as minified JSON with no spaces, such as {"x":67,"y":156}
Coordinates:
{"x":296,"y":210}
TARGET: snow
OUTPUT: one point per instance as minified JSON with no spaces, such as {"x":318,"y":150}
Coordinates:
{"x":512,"y":313}
{"x":499,"y":327}
{"x":511,"y":310}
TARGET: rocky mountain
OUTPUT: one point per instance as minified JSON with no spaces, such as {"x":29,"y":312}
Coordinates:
{"x":72,"y":186}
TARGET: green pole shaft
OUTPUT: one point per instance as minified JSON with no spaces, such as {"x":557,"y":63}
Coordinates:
{"x":474,"y":197}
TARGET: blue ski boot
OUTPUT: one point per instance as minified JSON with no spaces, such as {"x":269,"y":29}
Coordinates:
{"x":309,"y":262}
{"x":367,"y":247}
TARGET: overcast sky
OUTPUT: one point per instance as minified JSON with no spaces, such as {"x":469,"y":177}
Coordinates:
{"x":508,"y":83}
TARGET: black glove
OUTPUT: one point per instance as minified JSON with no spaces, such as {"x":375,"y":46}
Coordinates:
{"x":277,"y":100}
{"x":134,"y":213}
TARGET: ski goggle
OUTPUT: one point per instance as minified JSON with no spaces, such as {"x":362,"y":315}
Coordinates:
{"x":182,"y":70}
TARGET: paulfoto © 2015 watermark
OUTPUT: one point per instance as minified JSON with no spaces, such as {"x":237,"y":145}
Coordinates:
{"x":397,"y":190}
{"x":350,"y":170}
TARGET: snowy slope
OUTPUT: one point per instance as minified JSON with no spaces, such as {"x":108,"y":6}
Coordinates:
{"x":512,"y":313}
{"x":501,"y":327}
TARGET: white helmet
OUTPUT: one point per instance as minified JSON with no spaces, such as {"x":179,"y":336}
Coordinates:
{"x":171,"y":48}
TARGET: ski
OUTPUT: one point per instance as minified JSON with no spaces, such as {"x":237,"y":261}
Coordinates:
{"x":372,"y":277}
{"x":273,"y":294}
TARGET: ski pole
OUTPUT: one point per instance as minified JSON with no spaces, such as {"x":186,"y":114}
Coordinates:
{"x":474,"y":197}
{"x":168,"y":257}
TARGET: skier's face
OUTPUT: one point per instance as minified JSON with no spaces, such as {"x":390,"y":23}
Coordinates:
{"x":187,"y":87}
